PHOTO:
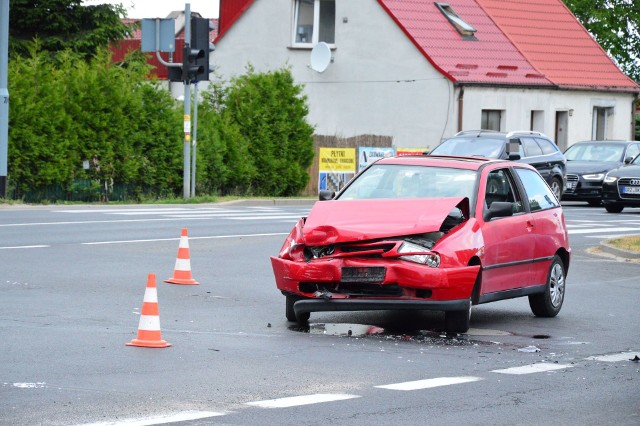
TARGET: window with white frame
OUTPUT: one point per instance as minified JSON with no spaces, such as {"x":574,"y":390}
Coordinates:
{"x":314,"y":21}
{"x":600,"y":126}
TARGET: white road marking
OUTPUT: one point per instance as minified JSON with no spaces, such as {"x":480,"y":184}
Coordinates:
{"x":23,"y":247}
{"x":595,"y":230}
{"x":430,"y":383}
{"x":157,"y":420}
{"x":533,"y":368}
{"x":190,"y":238}
{"x":623,"y":356}
{"x":302,"y":400}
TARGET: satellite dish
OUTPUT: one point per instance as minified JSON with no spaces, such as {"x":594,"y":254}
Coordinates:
{"x":320,"y":57}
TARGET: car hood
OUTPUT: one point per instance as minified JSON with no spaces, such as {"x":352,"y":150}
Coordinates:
{"x":626,"y":171}
{"x":340,"y":221}
{"x":582,"y":167}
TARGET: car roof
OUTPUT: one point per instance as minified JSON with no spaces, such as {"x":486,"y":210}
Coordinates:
{"x":469,"y":163}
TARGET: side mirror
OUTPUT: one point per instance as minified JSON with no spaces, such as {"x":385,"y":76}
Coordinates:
{"x":628,"y":160}
{"x":325,"y":195}
{"x":498,"y":209}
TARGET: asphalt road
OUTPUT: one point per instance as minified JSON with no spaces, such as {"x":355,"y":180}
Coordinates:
{"x":72,"y":281}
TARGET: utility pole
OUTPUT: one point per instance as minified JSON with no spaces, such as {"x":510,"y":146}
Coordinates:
{"x":186,"y":175}
{"x":4,"y":95}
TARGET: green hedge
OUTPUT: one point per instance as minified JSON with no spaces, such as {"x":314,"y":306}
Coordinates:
{"x":66,"y":113}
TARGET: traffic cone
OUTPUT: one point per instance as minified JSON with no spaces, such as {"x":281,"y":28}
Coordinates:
{"x":182,"y":271}
{"x":149,"y":335}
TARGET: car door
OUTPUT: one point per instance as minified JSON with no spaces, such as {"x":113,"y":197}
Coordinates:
{"x":547,"y":220}
{"x":508,"y":241}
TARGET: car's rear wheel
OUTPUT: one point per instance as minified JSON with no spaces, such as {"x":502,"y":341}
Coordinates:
{"x":291,"y":313}
{"x":556,"y":187}
{"x":613,"y":208}
{"x":548,"y":304}
{"x":457,"y":321}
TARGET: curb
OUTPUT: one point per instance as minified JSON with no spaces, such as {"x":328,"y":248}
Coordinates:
{"x":608,"y":248}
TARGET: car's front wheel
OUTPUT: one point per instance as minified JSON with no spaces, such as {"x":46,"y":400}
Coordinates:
{"x":457,"y":321}
{"x":548,"y":304}
{"x":291,"y":313}
{"x":613,"y":208}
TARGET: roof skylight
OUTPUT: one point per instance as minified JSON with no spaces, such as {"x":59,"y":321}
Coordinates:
{"x":466,"y":31}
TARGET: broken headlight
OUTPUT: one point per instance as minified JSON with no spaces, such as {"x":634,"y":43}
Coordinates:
{"x":430,"y":259}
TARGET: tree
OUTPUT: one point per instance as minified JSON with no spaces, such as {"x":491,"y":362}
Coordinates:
{"x":270,"y":110}
{"x":64,"y":25}
{"x":615,"y":26}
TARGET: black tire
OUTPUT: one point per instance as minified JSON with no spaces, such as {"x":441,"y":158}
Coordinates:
{"x":457,"y":321}
{"x":291,"y":313}
{"x":556,"y":188}
{"x":613,"y":208}
{"x":549,"y":303}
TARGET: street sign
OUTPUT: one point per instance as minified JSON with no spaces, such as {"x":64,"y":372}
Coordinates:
{"x":163,"y":40}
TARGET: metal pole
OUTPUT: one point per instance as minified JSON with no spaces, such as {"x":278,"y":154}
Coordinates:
{"x":195,"y":139}
{"x":4,"y":95}
{"x":187,"y":107}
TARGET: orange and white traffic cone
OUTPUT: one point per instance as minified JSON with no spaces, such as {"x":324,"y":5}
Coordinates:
{"x":182,"y":270}
{"x":149,"y":335}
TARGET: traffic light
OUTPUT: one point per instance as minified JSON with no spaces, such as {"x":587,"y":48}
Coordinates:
{"x":201,"y":47}
{"x":192,"y":68}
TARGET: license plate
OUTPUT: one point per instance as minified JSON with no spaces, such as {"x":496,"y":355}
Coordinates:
{"x":631,"y":189}
{"x":373,"y":274}
{"x":572,"y":185}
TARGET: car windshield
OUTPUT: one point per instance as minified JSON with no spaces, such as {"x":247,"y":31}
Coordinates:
{"x":595,"y":152}
{"x":408,"y":181}
{"x":471,"y":147}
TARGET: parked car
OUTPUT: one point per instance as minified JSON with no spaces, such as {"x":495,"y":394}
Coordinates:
{"x":429,"y":233}
{"x":621,"y":187}
{"x":528,"y":147}
{"x":587,"y":164}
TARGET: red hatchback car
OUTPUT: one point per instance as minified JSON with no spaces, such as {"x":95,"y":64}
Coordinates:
{"x":428,"y":232}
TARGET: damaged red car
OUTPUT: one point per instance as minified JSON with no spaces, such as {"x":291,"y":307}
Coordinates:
{"x":428,"y":233}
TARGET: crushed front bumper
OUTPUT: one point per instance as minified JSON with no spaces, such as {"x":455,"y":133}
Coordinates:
{"x":321,"y":287}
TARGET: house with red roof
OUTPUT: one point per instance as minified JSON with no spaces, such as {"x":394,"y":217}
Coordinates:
{"x":419,"y":71}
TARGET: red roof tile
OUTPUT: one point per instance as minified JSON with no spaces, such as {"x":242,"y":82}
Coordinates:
{"x":553,"y":40}
{"x":492,"y":58}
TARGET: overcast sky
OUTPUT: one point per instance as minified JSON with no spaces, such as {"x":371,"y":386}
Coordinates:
{"x":161,"y":8}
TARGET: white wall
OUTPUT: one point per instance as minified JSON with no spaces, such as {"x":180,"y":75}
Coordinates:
{"x":518,"y":104}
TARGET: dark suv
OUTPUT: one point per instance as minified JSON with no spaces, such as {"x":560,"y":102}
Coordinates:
{"x":528,"y":147}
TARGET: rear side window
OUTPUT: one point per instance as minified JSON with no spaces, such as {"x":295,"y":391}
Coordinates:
{"x":538,"y":192}
{"x":548,"y":147}
{"x":531,"y":147}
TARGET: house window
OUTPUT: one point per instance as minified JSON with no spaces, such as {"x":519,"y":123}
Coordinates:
{"x":314,"y":21}
{"x":466,"y":31}
{"x":491,"y":119}
{"x":537,"y":121}
{"x":600,"y":123}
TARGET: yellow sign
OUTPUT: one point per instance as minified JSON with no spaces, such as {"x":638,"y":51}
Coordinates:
{"x":337,"y":159}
